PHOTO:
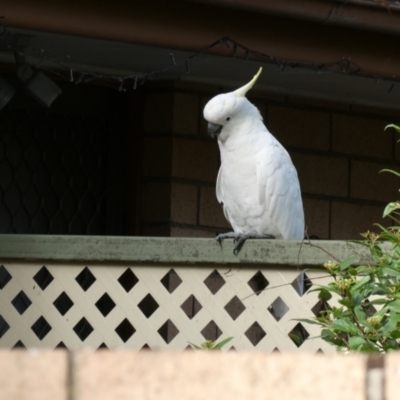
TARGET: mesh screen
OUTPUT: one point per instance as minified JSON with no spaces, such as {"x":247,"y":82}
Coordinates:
{"x":53,"y":173}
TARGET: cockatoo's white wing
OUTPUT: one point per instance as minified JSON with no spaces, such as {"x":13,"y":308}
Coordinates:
{"x":218,"y":187}
{"x":279,"y":190}
{"x":219,"y":190}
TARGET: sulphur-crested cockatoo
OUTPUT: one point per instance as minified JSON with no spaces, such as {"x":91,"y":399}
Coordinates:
{"x":257,"y":181}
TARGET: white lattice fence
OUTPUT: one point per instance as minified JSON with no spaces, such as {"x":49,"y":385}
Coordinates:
{"x":160,"y":307}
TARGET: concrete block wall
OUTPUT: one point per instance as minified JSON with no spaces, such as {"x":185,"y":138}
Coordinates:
{"x":123,"y":375}
{"x":337,"y":148}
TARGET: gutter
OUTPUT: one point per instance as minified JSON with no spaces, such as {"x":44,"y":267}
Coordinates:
{"x":311,"y":35}
{"x":356,"y":14}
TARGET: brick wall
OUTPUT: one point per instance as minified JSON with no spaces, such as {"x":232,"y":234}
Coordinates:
{"x":180,"y":164}
{"x":338,"y":150}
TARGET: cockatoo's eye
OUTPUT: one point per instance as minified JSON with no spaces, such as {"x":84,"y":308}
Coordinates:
{"x":228,"y":119}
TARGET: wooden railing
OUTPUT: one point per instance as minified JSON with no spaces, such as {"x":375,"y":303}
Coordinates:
{"x":161,"y":293}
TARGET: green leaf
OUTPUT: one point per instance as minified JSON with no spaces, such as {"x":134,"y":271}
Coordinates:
{"x":360,"y":313}
{"x":397,"y":128}
{"x":395,"y":317}
{"x":331,"y":338}
{"x":390,"y":346}
{"x":353,"y":271}
{"x":381,"y":289}
{"x":308,"y":321}
{"x":376,"y":252}
{"x":394,"y":306}
{"x":363,"y":270}
{"x":330,"y":288}
{"x":390,"y":208}
{"x":390,"y":271}
{"x":223,"y":342}
{"x":324,"y":295}
{"x":327,"y":335}
{"x":346,"y":263}
{"x":387,"y":326}
{"x":379,"y":301}
{"x":360,"y":284}
{"x":339,"y":312}
{"x":356,"y":341}
{"x":346,"y":303}
{"x":345,"y":325}
{"x":390,"y":171}
{"x":384,"y":310}
{"x":395,"y":334}
{"x":324,"y":319}
{"x":195,"y":347}
{"x":358,"y":298}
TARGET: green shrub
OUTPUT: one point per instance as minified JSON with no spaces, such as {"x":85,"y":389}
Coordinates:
{"x":211,"y":345}
{"x":368,"y":316}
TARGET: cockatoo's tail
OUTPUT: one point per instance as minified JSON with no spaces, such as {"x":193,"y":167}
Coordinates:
{"x":241,"y":92}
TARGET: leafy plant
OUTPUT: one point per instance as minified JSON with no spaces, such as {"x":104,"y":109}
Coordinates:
{"x":211,"y":345}
{"x":368,"y":316}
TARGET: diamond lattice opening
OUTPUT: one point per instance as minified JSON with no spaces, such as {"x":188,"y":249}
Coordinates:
{"x":83,"y":329}
{"x":370,"y":310}
{"x":171,"y":280}
{"x":276,"y":350}
{"x":125,"y":330}
{"x":278,"y":309}
{"x":258,"y":283}
{"x":211,"y":331}
{"x":4,"y":327}
{"x":168,"y":331}
{"x":5,"y":277}
{"x":19,"y":345}
{"x":61,"y":345}
{"x":191,"y":306}
{"x":148,"y":305}
{"x":41,"y":328}
{"x":214,"y":282}
{"x":102,"y":346}
{"x":298,"y":335}
{"x":320,"y":307}
{"x":255,"y":333}
{"x":85,"y":279}
{"x":302,"y":283}
{"x":128,"y":280}
{"x":234,"y":308}
{"x":63,"y":303}
{"x":145,"y":347}
{"x":43,"y":278}
{"x":21,"y":302}
{"x":105,"y":304}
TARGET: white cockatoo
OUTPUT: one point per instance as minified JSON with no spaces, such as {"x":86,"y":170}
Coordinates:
{"x":257,"y":181}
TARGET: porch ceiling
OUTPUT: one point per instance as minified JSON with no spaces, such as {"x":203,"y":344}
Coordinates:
{"x":139,"y":45}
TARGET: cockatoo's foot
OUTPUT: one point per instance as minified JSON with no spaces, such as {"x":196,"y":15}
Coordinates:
{"x":240,"y":238}
{"x":229,"y":235}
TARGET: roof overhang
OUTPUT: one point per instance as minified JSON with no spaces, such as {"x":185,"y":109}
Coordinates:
{"x":302,"y":38}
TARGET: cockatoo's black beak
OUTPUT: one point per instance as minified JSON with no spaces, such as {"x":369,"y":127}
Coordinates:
{"x":214,"y":130}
